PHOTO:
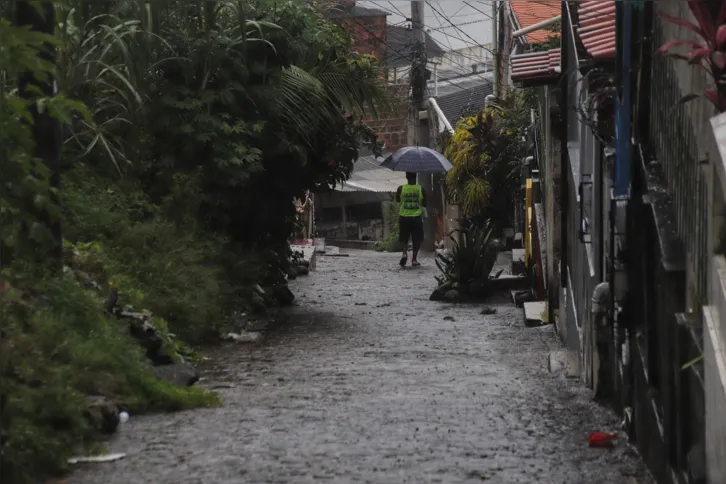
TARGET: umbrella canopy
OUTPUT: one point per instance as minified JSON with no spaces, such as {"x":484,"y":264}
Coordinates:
{"x":417,"y":159}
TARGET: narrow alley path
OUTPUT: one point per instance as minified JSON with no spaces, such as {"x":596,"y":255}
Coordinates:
{"x":370,"y":382}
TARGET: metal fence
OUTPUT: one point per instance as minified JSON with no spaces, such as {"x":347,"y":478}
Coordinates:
{"x":667,"y":258}
{"x":675,"y":144}
{"x":666,"y":399}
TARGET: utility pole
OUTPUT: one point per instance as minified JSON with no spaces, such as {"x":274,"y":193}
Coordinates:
{"x":418,"y":128}
{"x":495,"y":45}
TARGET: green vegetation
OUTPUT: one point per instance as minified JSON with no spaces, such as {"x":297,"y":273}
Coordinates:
{"x":486,"y":151}
{"x":554,"y":41}
{"x":390,"y":221}
{"x":188,"y":128}
{"x":472,"y":260}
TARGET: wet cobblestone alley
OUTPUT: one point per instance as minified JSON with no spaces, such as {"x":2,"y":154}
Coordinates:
{"x":369,"y":382}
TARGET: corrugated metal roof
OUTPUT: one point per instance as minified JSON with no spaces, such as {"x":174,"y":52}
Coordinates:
{"x":464,"y":101}
{"x":530,"y":12}
{"x":368,"y":176}
{"x":596,"y":28}
{"x":536,"y":66}
{"x":461,"y":82}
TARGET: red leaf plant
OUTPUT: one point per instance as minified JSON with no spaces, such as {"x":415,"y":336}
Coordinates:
{"x":709,"y":53}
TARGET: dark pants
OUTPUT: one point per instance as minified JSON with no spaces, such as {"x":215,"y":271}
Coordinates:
{"x":411,"y":228}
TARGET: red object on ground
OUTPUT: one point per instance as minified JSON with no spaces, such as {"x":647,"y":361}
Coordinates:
{"x":601,"y":439}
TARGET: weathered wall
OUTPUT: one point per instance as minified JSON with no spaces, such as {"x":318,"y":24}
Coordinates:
{"x":368,"y":34}
{"x":550,"y":172}
{"x":392,"y":124}
{"x":714,"y":321}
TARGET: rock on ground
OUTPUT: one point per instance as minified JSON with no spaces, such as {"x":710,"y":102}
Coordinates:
{"x":388,"y":392}
{"x":103,"y":414}
{"x":181,"y":374}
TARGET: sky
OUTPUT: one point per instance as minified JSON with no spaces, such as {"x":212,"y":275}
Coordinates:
{"x":471,"y":19}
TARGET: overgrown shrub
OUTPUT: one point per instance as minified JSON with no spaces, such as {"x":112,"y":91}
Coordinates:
{"x":486,"y":151}
{"x":391,"y":243}
{"x":58,"y":346}
{"x":155,"y":264}
{"x":190,"y":127}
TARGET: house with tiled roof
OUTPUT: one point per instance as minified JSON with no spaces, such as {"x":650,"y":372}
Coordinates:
{"x":526,"y":13}
{"x":525,"y":16}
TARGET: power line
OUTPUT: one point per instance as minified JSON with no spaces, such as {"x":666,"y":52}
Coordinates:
{"x":406,"y":56}
{"x":399,"y":11}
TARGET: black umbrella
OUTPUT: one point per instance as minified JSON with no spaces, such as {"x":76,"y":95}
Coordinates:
{"x":417,"y":159}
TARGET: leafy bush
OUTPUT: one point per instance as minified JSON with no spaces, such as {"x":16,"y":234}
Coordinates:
{"x":709,"y":52}
{"x":57,"y":347}
{"x":486,"y":152}
{"x":190,"y":128}
{"x":472,"y":259}
{"x":154,"y":264}
{"x":391,"y":243}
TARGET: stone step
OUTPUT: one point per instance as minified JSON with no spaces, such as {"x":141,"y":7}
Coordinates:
{"x":308,"y":253}
{"x":521,"y":296}
{"x":535,"y":314}
{"x":564,"y":362}
{"x":518,"y":261}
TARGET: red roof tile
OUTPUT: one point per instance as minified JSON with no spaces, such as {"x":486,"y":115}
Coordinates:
{"x":536,"y":66}
{"x":596,"y":27}
{"x":530,"y":12}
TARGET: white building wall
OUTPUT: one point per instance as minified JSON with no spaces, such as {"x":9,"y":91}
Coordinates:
{"x":714,"y":324}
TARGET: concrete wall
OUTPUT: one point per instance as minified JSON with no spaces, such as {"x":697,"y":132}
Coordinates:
{"x":373,"y":229}
{"x":338,"y":199}
{"x":585,"y":211}
{"x":344,"y":226}
{"x":464,"y":57}
{"x":714,"y":330}
{"x":550,"y":162}
{"x":714,"y":348}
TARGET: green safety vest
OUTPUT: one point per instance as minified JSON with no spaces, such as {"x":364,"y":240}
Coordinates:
{"x":411,"y":201}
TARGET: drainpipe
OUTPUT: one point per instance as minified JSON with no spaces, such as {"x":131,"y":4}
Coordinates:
{"x":601,"y":360}
{"x":537,"y":26}
{"x":495,"y":44}
{"x":441,"y":116}
{"x":600,"y":300}
{"x":623,"y":131}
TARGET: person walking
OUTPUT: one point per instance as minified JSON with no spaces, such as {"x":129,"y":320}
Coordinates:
{"x":412,"y":200}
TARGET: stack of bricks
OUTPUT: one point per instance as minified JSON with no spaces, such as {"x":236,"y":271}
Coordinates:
{"x":392,"y":124}
{"x":368,"y":34}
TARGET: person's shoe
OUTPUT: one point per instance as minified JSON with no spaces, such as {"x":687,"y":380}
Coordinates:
{"x":415,"y":264}
{"x":403,"y":261}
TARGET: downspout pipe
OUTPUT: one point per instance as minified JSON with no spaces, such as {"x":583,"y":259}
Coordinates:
{"x":602,"y":376}
{"x":435,"y":106}
{"x":623,"y":107}
{"x":600,"y":300}
{"x":537,"y":26}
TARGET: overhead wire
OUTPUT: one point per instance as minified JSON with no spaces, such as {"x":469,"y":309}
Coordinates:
{"x":406,"y":56}
{"x":438,"y":14}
